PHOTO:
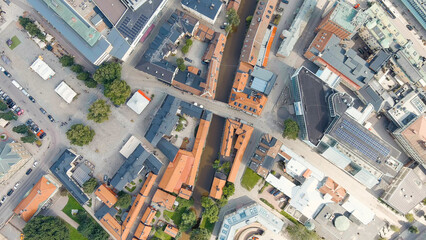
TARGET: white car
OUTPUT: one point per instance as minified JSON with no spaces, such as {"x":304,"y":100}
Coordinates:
{"x":16,"y":185}
{"x":35,"y":164}
{"x":2,"y":69}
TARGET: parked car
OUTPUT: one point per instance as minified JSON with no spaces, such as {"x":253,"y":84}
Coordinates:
{"x":17,"y":109}
{"x":188,"y":59}
{"x":284,"y":1}
{"x":276,"y":193}
{"x":11,"y":105}
{"x":42,"y":135}
{"x":17,"y":185}
{"x":20,"y":112}
{"x":7,"y":74}
{"x":35,"y":164}
{"x":272,"y":191}
{"x":409,"y":27}
{"x":10,"y":192}
{"x":40,"y":132}
{"x":35,"y":128}
{"x":32,"y":99}
{"x":2,"y":69}
{"x":3,"y":199}
{"x":43,"y":111}
{"x":29,"y":122}
{"x":360,"y":50}
{"x":51,"y":118}
{"x":29,"y":171}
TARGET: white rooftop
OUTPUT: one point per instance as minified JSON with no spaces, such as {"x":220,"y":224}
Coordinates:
{"x":410,"y":104}
{"x":300,"y":165}
{"x":42,"y":69}
{"x":359,"y":210}
{"x":282,"y":184}
{"x":65,"y":92}
{"x":138,"y":102}
{"x":130,"y":146}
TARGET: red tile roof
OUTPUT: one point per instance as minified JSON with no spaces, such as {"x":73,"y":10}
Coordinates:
{"x":217,"y":187}
{"x":106,"y":195}
{"x":148,"y":215}
{"x":142,"y":232}
{"x":164,"y":199}
{"x":40,"y":193}
{"x":171,"y":230}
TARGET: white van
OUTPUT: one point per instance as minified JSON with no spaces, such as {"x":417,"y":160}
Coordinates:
{"x":16,"y":84}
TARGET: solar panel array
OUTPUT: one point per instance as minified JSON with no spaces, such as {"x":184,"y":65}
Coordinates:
{"x":132,"y":31}
{"x":361,"y":141}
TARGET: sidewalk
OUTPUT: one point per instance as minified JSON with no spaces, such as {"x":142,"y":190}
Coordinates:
{"x":56,"y":210}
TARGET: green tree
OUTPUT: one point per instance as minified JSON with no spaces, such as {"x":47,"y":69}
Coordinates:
{"x":200,"y":234}
{"x":46,"y":228}
{"x":226,"y":167}
{"x":395,"y":228}
{"x":211,"y":213}
{"x":118,"y":92}
{"x":181,"y":64}
{"x":80,"y":134}
{"x":216,"y":164}
{"x":188,"y":220}
{"x":414,"y":229}
{"x":232,"y":19}
{"x":8,"y":116}
{"x":124,"y":200}
{"x":90,"y":185}
{"x":99,"y":111}
{"x":24,"y":21}
{"x":89,"y":228}
{"x":107,"y":73}
{"x":222,"y":202}
{"x":207,"y":202}
{"x":185,"y":49}
{"x":188,"y":42}
{"x":299,"y":232}
{"x":228,"y":190}
{"x":90,"y":83}
{"x":291,"y":129}
{"x":30,"y":138}
{"x":83,"y":76}
{"x":248,"y":19}
{"x":3,"y":106}
{"x":67,"y":61}
{"x":77,"y":68}
{"x":409,"y":217}
{"x":22,"y":129}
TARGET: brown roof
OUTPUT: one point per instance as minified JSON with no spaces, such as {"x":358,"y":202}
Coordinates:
{"x":164,"y":199}
{"x":106,"y":195}
{"x":234,"y":4}
{"x":147,"y":185}
{"x":112,"y":225}
{"x":320,"y":42}
{"x":217,"y":187}
{"x":171,"y":230}
{"x":214,"y":55}
{"x":246,"y":103}
{"x":193,"y":69}
{"x":197,"y":150}
{"x":148,"y":215}
{"x":243,"y":132}
{"x":40,"y":193}
{"x":185,"y":193}
{"x":261,"y":18}
{"x":142,"y":232}
{"x":112,"y":9}
{"x":415,"y":135}
{"x":336,"y":192}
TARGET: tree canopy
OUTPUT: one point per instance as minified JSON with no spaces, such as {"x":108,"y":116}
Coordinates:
{"x":200,"y":234}
{"x":228,"y":190}
{"x":31,"y":27}
{"x":83,"y":76}
{"x":90,"y":185}
{"x":22,"y":129}
{"x":118,"y":92}
{"x":90,"y":83}
{"x":291,"y":129}
{"x":232,"y":19}
{"x":107,"y":73}
{"x":212,"y":213}
{"x":409,"y":217}
{"x":77,"y":68}
{"x":80,"y":134}
{"x":99,"y":111}
{"x":89,"y":228}
{"x":188,"y":220}
{"x":30,"y":138}
{"x":46,"y":228}
{"x":3,"y":106}
{"x":181,"y":64}
{"x":124,"y":200}
{"x":8,"y":116}
{"x":207,"y":202}
{"x":300,"y":232}
{"x":67,"y":61}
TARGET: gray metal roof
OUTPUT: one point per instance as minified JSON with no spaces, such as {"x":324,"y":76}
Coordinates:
{"x":162,"y":70}
{"x":372,"y":97}
{"x":208,"y":8}
{"x":103,"y":210}
{"x":120,"y":45}
{"x":7,"y":157}
{"x":379,"y":61}
{"x":81,"y":174}
{"x":347,"y":62}
{"x":263,"y":80}
{"x":168,"y":149}
{"x":60,"y":168}
{"x":190,"y":79}
{"x":164,"y":120}
{"x":91,"y":53}
{"x":132,"y":167}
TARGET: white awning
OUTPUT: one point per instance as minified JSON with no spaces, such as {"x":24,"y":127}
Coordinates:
{"x":138,"y":102}
{"x":42,"y":69}
{"x":65,"y":92}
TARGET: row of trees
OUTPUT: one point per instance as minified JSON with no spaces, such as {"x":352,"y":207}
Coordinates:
{"x":29,"y":137}
{"x":188,"y":44}
{"x":31,"y":27}
{"x":89,"y":228}
{"x":82,"y":74}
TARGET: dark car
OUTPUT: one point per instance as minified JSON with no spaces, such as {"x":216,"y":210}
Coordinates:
{"x":7,"y":74}
{"x":11,"y":105}
{"x":35,"y":128}
{"x":29,"y":122}
{"x":42,"y":135}
{"x":284,"y":1}
{"x":51,"y":118}
{"x":32,"y":99}
{"x":360,"y":50}
{"x":188,"y":60}
{"x":10,"y":192}
{"x":43,"y":111}
{"x":29,"y":171}
{"x":410,"y":27}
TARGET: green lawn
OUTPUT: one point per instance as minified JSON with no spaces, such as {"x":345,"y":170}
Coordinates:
{"x":74,"y":234}
{"x":162,"y":235}
{"x":249,"y":179}
{"x":72,"y":204}
{"x":15,"y":42}
{"x":207,"y":224}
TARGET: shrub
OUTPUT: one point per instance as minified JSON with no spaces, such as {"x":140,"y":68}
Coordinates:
{"x":83,"y":76}
{"x":409,"y":217}
{"x":291,"y":129}
{"x":66,"y":61}
{"x":77,"y":68}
